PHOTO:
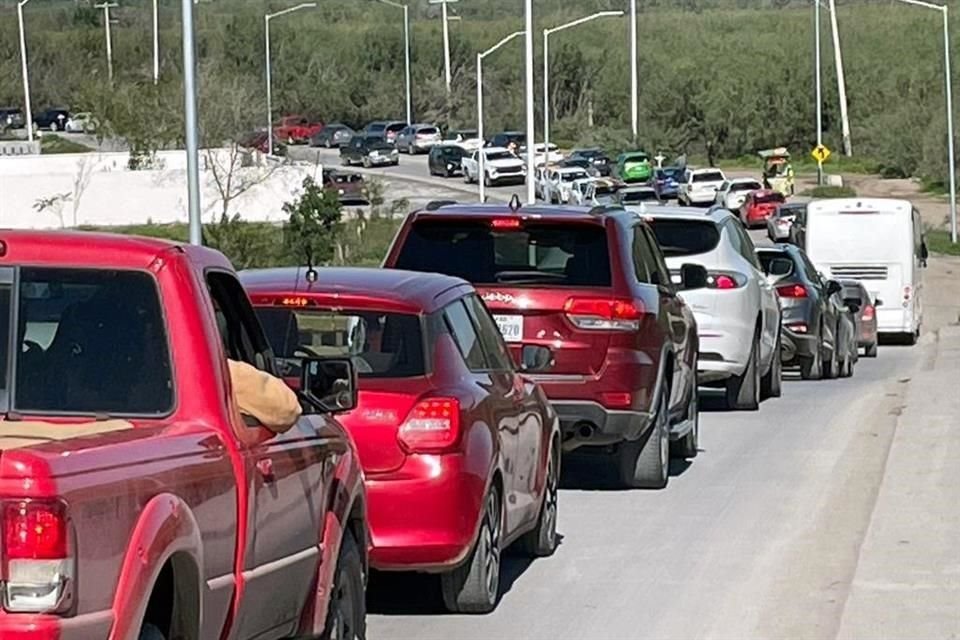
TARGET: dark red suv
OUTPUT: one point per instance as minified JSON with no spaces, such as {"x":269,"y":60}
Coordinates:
{"x":586,"y":302}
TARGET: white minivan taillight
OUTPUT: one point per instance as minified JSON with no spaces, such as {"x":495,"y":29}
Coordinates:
{"x":37,"y":565}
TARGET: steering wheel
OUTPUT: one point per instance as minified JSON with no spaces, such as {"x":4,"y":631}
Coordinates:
{"x":307,"y":350}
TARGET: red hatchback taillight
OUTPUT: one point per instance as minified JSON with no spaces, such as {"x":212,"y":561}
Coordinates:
{"x":868,"y":313}
{"x":432,"y":426}
{"x":603,"y":314}
{"x":792,"y":291}
{"x":37,"y":563}
{"x":725,"y":280}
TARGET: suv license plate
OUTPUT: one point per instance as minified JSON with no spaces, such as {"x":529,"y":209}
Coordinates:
{"x":511,"y":327}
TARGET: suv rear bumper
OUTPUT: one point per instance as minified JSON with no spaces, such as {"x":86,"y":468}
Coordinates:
{"x":585,"y":423}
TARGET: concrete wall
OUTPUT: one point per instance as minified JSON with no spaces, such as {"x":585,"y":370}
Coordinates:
{"x":115,"y":195}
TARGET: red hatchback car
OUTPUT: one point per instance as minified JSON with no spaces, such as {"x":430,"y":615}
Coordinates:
{"x":461,"y":453}
{"x":759,"y":206}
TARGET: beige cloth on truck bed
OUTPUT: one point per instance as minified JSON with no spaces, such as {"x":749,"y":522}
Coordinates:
{"x":264,"y":397}
{"x":16,"y":434}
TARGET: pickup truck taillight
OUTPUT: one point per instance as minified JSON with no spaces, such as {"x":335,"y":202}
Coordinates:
{"x":37,"y":564}
{"x":432,"y":426}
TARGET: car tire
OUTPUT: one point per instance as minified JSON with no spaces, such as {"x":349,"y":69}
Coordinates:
{"x":366,"y":162}
{"x":541,"y":541}
{"x":811,"y":368}
{"x":486,"y":181}
{"x":53,"y":126}
{"x":689,"y":445}
{"x":474,"y":586}
{"x":743,"y":391}
{"x":646,"y":464}
{"x":772,"y":384}
{"x":870,"y":351}
{"x":328,"y":144}
{"x":831,"y":367}
{"x":347,"y":611}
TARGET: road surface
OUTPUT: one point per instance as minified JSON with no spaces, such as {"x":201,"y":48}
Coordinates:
{"x":757,"y":537}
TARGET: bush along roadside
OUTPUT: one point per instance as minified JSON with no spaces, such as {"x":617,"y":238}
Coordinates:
{"x":830,"y":191}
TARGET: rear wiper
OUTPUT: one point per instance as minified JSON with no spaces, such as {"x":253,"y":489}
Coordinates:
{"x":528,"y":276}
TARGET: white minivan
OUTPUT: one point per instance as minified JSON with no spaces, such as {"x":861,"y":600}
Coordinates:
{"x":878,"y":241}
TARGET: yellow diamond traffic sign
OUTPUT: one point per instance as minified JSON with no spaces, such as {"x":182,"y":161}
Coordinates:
{"x":820,"y":153}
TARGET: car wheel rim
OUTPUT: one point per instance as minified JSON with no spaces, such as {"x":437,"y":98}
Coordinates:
{"x":343,"y":620}
{"x":490,"y":547}
{"x":550,"y":500}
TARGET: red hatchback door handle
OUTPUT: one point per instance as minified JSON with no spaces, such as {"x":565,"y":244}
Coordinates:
{"x":265,"y":467}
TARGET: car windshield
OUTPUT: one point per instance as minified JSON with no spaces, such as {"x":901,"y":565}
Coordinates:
{"x":451,"y":151}
{"x":427,"y":131}
{"x":708,"y":176}
{"x":535,"y":253}
{"x":671,"y":172}
{"x":571,"y":176}
{"x":396,"y":126}
{"x":499,"y":155}
{"x":381,"y":344}
{"x":376,"y":127}
{"x":745,"y":186}
{"x":636,"y":159}
{"x":786,"y":266}
{"x":68,"y":358}
{"x":767,"y":198}
{"x":637,"y":196}
{"x":685,"y":237}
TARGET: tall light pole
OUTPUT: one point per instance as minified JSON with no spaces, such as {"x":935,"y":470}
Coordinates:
{"x":531,"y":127}
{"x":446,"y":39}
{"x":634,"y":100}
{"x":481,"y":168}
{"x":266,"y":34}
{"x":406,"y":53}
{"x":949,"y":91}
{"x":816,"y":56}
{"x":26,"y":75}
{"x":841,"y":82}
{"x":106,"y":26}
{"x":190,"y":122}
{"x":546,"y":67}
{"x":156,"y":43}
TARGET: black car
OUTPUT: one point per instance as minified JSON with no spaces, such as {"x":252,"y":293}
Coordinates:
{"x":581,"y":163}
{"x":506,"y":138}
{"x":460,"y":135}
{"x":445,"y":160}
{"x":370,"y":151}
{"x":385,"y":129}
{"x":595,"y":156}
{"x":332,"y":135}
{"x":11,"y":118}
{"x":814,"y":332}
{"x":52,"y":119}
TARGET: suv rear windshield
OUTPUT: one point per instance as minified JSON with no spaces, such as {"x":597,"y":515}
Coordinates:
{"x":381,"y":345}
{"x":708,"y":176}
{"x":427,"y":131}
{"x":541,"y":254}
{"x":89,"y":342}
{"x":770,"y":197}
{"x":767,"y":257}
{"x":685,"y":237}
{"x":638,"y":196}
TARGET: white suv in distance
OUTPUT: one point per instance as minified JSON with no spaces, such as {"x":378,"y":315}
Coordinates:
{"x":738,"y":313}
{"x":699,"y":187}
{"x":733,"y":193}
{"x":557,"y":186}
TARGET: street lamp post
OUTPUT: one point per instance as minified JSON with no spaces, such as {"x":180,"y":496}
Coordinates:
{"x":634,"y":99}
{"x":106,"y":26}
{"x":816,"y":57}
{"x":841,"y":82}
{"x":531,"y":127}
{"x":446,"y":39}
{"x":546,"y":67}
{"x":26,"y":75}
{"x":266,"y":34}
{"x":481,"y":168}
{"x":190,"y":122}
{"x":948,"y":88}
{"x":156,"y":43}
{"x":406,"y":53}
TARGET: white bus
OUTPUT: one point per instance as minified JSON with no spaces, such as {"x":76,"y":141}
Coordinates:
{"x":878,"y":241}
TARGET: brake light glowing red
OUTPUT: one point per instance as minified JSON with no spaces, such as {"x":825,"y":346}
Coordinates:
{"x":792,"y":291}
{"x":607,"y":308}
{"x":868,"y":312}
{"x":432,"y":426}
{"x":505,"y":223}
{"x":34,"y":530}
{"x":293,"y":301}
{"x":724,"y":282}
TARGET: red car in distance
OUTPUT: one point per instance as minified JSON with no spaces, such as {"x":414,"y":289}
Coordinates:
{"x":461,"y":453}
{"x":759,"y":206}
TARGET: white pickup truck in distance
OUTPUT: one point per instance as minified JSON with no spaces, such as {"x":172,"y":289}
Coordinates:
{"x":499,"y":167}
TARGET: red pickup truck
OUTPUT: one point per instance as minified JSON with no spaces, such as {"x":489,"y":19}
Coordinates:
{"x":296,"y":129}
{"x":137,"y":502}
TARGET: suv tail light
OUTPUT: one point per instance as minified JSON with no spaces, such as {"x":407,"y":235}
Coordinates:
{"x":867,"y":313}
{"x":432,"y":426}
{"x":37,"y":564}
{"x":725,"y":280}
{"x":792,"y":291}
{"x":604,"y":314}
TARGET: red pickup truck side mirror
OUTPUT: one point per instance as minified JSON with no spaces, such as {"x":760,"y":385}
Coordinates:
{"x":329,"y":383}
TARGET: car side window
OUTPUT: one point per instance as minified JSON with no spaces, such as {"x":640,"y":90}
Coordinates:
{"x":237,"y":323}
{"x":809,"y":270}
{"x":498,"y":356}
{"x":747,"y":250}
{"x":640,"y":266}
{"x":465,"y":335}
{"x":657,"y":260}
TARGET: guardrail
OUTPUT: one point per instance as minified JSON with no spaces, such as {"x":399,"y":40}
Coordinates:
{"x":19,"y":148}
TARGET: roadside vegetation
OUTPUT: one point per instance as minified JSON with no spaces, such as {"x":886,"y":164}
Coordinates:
{"x":938,"y":242}
{"x":830,"y":191}
{"x":740,"y":77}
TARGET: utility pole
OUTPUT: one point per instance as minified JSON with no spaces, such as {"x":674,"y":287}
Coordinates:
{"x":481,"y":167}
{"x":26,"y":75}
{"x":841,"y":81}
{"x":156,"y":43}
{"x":531,"y":130}
{"x":816,"y":56}
{"x":446,"y":39}
{"x":634,"y":101}
{"x":190,"y":122}
{"x":106,"y":26}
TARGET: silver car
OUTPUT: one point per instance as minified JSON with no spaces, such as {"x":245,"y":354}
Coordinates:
{"x":418,"y":138}
{"x":778,"y":224}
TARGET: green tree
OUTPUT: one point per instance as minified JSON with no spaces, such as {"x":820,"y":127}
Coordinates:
{"x":314,"y":224}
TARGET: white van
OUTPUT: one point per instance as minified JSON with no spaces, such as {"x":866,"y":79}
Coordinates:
{"x":878,"y":241}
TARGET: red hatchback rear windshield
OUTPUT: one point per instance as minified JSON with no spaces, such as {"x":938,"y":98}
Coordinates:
{"x":381,"y":345}
{"x":506,"y":250}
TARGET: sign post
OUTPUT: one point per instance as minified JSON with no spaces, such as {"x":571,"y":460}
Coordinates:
{"x":820,"y":153}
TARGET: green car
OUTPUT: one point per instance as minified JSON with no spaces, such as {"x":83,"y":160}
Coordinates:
{"x":634,"y":166}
